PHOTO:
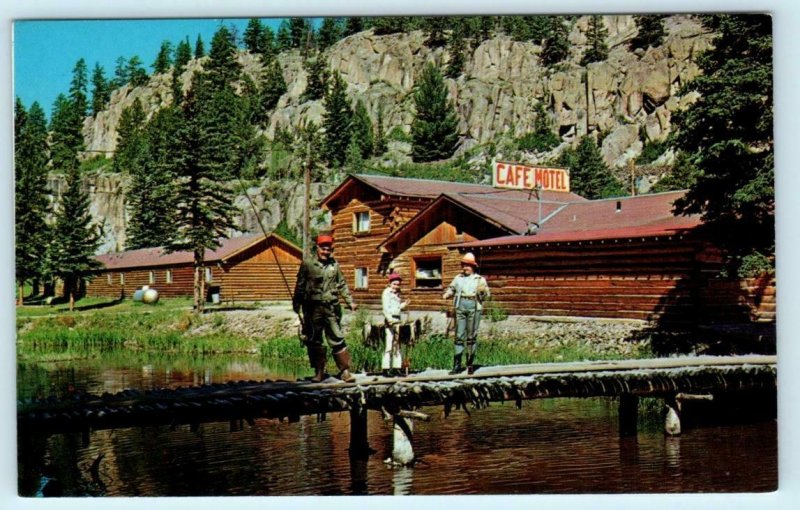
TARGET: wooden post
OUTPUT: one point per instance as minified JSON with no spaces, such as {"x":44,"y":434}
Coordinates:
{"x":628,"y":414}
{"x":402,"y":433}
{"x":306,"y":210}
{"x":359,"y":445}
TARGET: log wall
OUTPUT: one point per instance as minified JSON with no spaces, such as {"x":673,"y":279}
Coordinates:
{"x":650,"y":280}
{"x":360,"y":249}
{"x":259,"y":277}
{"x":182,"y":282}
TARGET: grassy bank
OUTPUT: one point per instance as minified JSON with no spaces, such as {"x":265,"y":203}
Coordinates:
{"x":52,"y":333}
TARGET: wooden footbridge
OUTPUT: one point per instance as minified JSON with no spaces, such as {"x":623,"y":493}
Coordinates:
{"x":401,"y":398}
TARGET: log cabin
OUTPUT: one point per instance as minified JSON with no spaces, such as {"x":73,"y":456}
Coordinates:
{"x":619,"y":258}
{"x":246,"y":268}
{"x":368,"y":211}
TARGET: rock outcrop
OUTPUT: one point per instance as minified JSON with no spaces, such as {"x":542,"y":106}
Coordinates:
{"x":628,"y":94}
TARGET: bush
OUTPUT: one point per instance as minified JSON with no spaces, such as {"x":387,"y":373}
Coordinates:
{"x":539,"y":142}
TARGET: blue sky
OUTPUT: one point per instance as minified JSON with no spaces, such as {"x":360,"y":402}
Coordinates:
{"x":45,"y":52}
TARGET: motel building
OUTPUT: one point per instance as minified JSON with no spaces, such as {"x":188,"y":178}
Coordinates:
{"x":543,"y":249}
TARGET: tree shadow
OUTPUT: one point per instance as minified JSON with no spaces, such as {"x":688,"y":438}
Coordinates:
{"x":710,"y":316}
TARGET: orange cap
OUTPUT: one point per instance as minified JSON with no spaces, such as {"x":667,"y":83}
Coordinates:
{"x":324,"y":239}
{"x":394,"y":276}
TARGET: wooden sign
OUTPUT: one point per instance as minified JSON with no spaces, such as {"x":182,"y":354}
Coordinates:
{"x":514,"y":176}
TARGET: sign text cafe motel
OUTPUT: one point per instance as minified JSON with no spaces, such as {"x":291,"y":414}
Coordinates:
{"x":514,"y":176}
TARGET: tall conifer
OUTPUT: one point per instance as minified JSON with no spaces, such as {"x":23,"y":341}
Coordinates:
{"x":434,"y":130}
{"x":336,"y":121}
{"x":31,"y":204}
{"x":596,"y":40}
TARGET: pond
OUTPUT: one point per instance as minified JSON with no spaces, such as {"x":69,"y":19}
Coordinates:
{"x":556,"y":446}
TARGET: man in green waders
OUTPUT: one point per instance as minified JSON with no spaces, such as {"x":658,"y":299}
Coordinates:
{"x":320,"y":285}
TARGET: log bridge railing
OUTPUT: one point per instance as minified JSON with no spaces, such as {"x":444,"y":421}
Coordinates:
{"x":674,"y":379}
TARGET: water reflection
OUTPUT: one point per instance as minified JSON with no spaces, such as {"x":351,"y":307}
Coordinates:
{"x":547,"y":447}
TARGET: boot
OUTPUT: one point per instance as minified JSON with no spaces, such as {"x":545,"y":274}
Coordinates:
{"x":317,"y":356}
{"x":457,"y":368}
{"x":342,"y":359}
{"x":470,"y":364}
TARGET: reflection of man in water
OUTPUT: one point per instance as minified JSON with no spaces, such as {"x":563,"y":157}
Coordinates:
{"x":402,"y":480}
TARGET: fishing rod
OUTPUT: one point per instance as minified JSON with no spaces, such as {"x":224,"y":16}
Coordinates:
{"x":274,"y":254}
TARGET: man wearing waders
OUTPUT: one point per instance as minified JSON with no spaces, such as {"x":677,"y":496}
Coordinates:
{"x":320,"y":285}
{"x":392,"y":360}
{"x":470,"y":290}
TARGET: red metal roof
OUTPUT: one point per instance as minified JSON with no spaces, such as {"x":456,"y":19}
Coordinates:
{"x":626,"y":217}
{"x":149,"y":257}
{"x":431,"y":189}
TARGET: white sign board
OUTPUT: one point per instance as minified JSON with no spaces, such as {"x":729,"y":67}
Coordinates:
{"x":514,"y":176}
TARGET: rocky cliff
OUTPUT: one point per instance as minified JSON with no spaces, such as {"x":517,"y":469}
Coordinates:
{"x":626,"y":94}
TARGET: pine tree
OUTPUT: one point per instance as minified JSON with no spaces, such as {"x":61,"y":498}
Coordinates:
{"x":75,"y":238}
{"x":121,"y":77}
{"x":274,"y":86}
{"x":163,"y":59}
{"x":129,"y":136}
{"x":253,"y":36}
{"x":136,"y":72}
{"x":101,"y":91}
{"x":434,"y":130}
{"x":457,"y":48}
{"x":383,"y":25}
{"x":66,"y":125}
{"x":200,"y":158}
{"x":318,"y":77}
{"x":556,"y":44}
{"x":728,"y":135}
{"x":361,"y":130}
{"x":353,"y":25}
{"x":30,"y":197}
{"x":199,"y":48}
{"x":267,"y":46}
{"x":434,"y":28}
{"x":222,"y":67}
{"x":354,"y":159}
{"x":542,"y":138}
{"x":329,"y":32}
{"x":183,"y":54}
{"x":298,"y":32}
{"x":589,"y":176}
{"x":379,"y":147}
{"x":651,"y":31}
{"x":78,"y":88}
{"x":151,"y":194}
{"x":336,"y":121}
{"x":283,"y":39}
{"x":596,"y":35}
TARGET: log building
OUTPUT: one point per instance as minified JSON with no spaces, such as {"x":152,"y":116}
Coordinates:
{"x":370,"y":219}
{"x":246,"y":268}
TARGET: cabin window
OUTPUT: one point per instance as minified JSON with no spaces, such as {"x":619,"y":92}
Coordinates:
{"x":109,"y":278}
{"x":362,"y":277}
{"x":428,"y":272}
{"x":209,"y":275}
{"x":361,"y":222}
{"x":168,"y":276}
{"x":122,"y":278}
{"x":151,"y":277}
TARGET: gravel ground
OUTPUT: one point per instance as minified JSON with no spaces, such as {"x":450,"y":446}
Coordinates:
{"x":598,"y":335}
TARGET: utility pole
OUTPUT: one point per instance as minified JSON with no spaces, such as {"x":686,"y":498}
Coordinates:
{"x":307,"y":212}
{"x":632,"y":168}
